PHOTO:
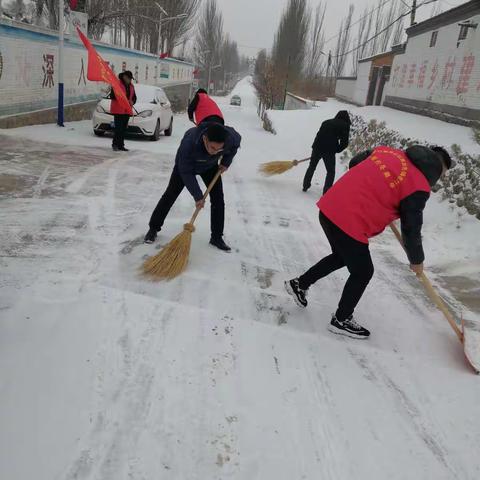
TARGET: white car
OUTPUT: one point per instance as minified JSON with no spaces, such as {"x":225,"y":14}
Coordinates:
{"x":152,"y":114}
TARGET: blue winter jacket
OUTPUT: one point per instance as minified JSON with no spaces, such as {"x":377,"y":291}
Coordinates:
{"x":193,"y":159}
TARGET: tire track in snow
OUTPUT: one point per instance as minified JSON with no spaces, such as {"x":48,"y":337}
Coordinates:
{"x":37,"y":190}
{"x":124,"y":407}
{"x":324,"y":432}
{"x":423,"y":429}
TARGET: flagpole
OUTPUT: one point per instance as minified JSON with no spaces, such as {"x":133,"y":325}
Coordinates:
{"x":61,"y":29}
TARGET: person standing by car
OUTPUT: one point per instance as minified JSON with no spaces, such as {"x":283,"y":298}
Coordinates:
{"x":332,"y":138}
{"x":203,"y":151}
{"x":120,"y":114}
{"x":203,"y":109}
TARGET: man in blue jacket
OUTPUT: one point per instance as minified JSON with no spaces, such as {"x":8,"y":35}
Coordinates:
{"x":203,"y":151}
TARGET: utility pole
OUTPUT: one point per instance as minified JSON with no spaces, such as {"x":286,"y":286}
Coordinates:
{"x":209,"y":74}
{"x":286,"y":83}
{"x":414,"y":11}
{"x":61,"y":28}
{"x":159,"y":41}
{"x":210,"y":68}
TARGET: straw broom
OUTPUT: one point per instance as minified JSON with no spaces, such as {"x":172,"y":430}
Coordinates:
{"x":172,"y":260}
{"x":277,"y":168}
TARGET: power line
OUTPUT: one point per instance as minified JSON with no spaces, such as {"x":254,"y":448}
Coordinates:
{"x":449,"y":4}
{"x":360,"y":19}
{"x":383,"y":30}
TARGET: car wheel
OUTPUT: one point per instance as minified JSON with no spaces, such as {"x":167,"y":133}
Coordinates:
{"x":99,"y":133}
{"x":169,"y":130}
{"x":156,"y":133}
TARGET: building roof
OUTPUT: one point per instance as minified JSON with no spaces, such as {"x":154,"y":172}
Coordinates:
{"x":453,"y":15}
{"x":378,"y":55}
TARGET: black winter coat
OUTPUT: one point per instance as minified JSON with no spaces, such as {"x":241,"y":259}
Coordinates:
{"x":193,"y":159}
{"x":333,"y":135}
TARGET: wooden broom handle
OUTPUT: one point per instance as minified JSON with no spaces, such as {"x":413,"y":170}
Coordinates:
{"x":205,"y":195}
{"x":434,"y":296}
{"x":296,"y":162}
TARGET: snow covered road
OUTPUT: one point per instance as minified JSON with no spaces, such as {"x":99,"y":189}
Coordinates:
{"x":217,"y":374}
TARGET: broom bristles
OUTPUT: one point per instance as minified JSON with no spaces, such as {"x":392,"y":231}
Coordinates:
{"x":172,"y":260}
{"x":277,"y":168}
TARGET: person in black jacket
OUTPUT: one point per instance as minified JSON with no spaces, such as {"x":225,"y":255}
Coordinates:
{"x":203,"y":151}
{"x":332,"y":138}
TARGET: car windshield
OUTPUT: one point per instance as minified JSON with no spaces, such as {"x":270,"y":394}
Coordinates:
{"x":145,"y":94}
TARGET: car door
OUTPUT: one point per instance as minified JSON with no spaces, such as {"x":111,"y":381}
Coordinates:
{"x":165,"y":109}
{"x":157,"y":108}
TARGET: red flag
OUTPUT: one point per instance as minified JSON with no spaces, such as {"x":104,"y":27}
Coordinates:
{"x":73,"y":4}
{"x":99,"y":71}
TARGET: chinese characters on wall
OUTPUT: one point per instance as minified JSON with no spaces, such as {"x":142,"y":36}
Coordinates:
{"x":454,"y":75}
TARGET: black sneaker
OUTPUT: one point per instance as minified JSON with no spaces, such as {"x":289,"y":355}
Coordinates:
{"x":300,"y":296}
{"x":150,"y":237}
{"x":348,"y":327}
{"x":123,"y":149}
{"x":220,"y":244}
{"x":305,"y":189}
{"x":114,"y":148}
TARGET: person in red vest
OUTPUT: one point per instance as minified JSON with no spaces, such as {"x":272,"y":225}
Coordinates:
{"x":381,"y":186}
{"x":120,"y":114}
{"x":203,"y":109}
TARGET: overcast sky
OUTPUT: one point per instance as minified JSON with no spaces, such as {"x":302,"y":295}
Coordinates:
{"x":252,"y":23}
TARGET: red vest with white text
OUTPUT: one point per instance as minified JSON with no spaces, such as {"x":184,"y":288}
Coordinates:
{"x":366,"y":199}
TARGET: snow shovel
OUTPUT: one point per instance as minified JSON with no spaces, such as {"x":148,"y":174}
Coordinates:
{"x":468,"y":334}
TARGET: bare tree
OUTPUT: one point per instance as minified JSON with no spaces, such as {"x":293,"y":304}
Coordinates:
{"x":132,"y":23}
{"x":387,"y":26}
{"x":364,"y":31}
{"x":47,"y":9}
{"x":289,"y":48}
{"x":436,"y":9}
{"x":377,"y":27}
{"x":316,"y":42}
{"x":399,"y":27}
{"x":268,"y":87}
{"x":340,"y":56}
{"x":175,"y":31}
{"x":209,"y":38}
{"x":16,"y":9}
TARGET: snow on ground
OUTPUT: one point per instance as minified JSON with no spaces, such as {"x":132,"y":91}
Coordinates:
{"x":450,"y":234}
{"x":216,"y":374}
{"x":416,"y":126}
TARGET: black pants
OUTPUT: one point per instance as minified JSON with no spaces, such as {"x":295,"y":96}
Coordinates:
{"x":121,"y":123}
{"x":329,"y":160}
{"x":346,"y":252}
{"x":175,"y":187}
